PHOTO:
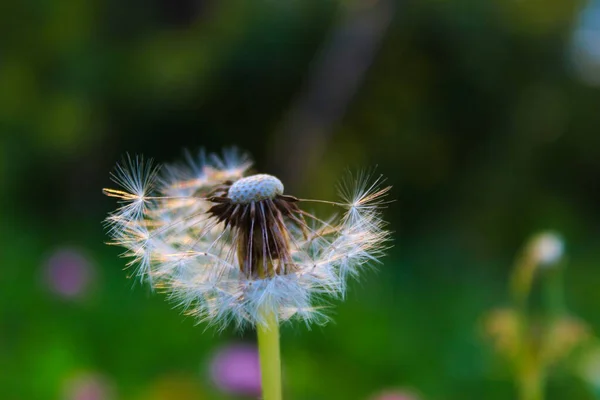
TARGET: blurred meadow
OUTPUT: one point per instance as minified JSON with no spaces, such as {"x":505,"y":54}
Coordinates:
{"x":483,"y":115}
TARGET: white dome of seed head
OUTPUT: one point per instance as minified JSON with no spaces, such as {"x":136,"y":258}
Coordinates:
{"x":255,"y":188}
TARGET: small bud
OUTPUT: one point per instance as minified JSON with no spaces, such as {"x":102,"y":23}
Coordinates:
{"x":546,"y":248}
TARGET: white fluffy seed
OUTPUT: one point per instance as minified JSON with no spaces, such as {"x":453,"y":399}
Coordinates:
{"x":255,"y":188}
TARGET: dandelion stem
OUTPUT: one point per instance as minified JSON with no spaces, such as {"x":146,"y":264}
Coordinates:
{"x":270,"y":360}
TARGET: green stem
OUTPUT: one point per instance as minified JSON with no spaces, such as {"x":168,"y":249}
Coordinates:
{"x":522,"y":281}
{"x":554,"y":292}
{"x":270,"y":360}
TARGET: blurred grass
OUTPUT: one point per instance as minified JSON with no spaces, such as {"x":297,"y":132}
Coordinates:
{"x":414,"y":323}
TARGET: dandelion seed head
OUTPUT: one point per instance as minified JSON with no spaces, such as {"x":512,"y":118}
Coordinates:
{"x":255,"y":188}
{"x":230,"y":248}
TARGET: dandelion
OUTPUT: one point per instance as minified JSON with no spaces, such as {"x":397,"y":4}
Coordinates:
{"x":535,"y":343}
{"x":233,"y":248}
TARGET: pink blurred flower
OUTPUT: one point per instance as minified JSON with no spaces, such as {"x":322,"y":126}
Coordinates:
{"x":235,"y":369}
{"x":88,"y":387}
{"x":395,"y":395}
{"x":68,"y":273}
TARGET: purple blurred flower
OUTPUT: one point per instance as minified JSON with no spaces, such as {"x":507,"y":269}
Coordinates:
{"x":68,"y":273}
{"x":88,"y":387}
{"x":395,"y":395}
{"x":235,"y":369}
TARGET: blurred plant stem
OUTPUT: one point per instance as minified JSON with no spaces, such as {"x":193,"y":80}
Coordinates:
{"x":531,"y":384}
{"x":554,"y":293}
{"x":270,"y":359}
{"x":522,"y":281}
{"x":535,"y":338}
{"x":338,"y":72}
{"x":529,"y":369}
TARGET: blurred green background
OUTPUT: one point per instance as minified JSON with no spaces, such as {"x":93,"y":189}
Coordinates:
{"x":483,"y":115}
